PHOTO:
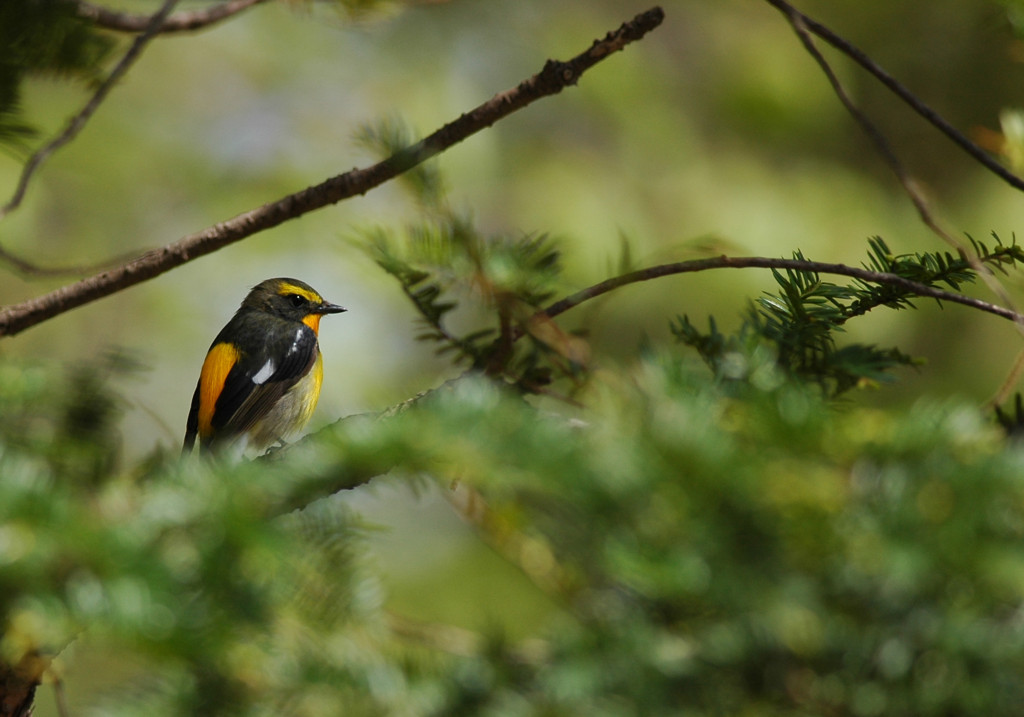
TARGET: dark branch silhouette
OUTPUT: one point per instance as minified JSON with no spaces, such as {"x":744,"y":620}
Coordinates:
{"x":552,"y":79}
{"x":760,"y":262}
{"x":882,"y":146}
{"x":180,"y":22}
{"x":912,"y":101}
{"x":804,"y":26}
{"x":71,"y":130}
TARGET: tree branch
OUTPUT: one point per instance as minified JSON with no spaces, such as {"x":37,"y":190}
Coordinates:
{"x":800,"y":26}
{"x":804,"y":26}
{"x":76,"y":123}
{"x":760,"y":262}
{"x":552,"y":79}
{"x":358,"y":474}
{"x":930,"y":115}
{"x":181,"y":22}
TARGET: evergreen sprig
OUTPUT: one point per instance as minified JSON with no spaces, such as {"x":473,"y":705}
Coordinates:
{"x":509,"y":277}
{"x":933,"y":269}
{"x":800,"y":321}
{"x":390,"y":138}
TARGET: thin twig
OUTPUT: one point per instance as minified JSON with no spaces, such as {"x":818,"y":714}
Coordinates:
{"x":32,"y":270}
{"x":889,"y":156}
{"x":930,"y":115}
{"x":76,"y":123}
{"x":804,"y":26}
{"x":180,"y":22}
{"x":60,"y":696}
{"x":797,"y":21}
{"x":552,"y":79}
{"x":760,"y":262}
{"x":472,"y":508}
{"x":71,"y":130}
{"x":1006,"y":388}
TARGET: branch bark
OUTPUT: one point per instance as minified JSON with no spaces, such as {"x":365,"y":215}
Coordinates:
{"x":552,"y":79}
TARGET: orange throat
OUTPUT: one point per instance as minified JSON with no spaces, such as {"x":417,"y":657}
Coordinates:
{"x":313,"y":322}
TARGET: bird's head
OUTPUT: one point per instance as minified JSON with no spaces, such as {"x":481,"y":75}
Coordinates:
{"x":290,"y":299}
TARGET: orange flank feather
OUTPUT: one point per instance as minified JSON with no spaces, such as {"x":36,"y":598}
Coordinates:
{"x":216,"y":367}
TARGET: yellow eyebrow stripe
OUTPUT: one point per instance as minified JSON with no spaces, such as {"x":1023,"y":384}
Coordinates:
{"x":287,"y":288}
{"x":215,"y":371}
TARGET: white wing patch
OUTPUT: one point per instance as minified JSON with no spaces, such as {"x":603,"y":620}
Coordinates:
{"x":265,"y":372}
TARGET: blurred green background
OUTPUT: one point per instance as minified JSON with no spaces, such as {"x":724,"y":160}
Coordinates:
{"x":715,"y":134}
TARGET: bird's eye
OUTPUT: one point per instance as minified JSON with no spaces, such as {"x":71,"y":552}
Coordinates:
{"x":296,"y":300}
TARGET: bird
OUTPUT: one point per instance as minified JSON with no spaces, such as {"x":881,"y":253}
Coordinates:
{"x":261,"y":377}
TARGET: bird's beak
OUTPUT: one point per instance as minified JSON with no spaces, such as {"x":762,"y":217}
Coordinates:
{"x":328,"y":308}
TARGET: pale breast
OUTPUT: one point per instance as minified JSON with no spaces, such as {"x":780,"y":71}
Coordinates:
{"x":292,"y":411}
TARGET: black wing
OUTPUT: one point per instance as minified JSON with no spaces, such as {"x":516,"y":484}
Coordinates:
{"x":261,"y":377}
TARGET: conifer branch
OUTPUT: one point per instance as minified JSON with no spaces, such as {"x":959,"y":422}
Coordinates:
{"x":552,"y":79}
{"x":759,"y":262}
{"x":804,"y":27}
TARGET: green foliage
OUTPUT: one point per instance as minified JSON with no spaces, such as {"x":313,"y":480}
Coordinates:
{"x":445,"y":260}
{"x":711,"y":552}
{"x":934,"y":269}
{"x":506,"y":278}
{"x":735,"y":546}
{"x":42,"y":37}
{"x":732,"y":546}
{"x":799,"y":323}
{"x":183,"y":568}
{"x":391,"y":137}
{"x":763,"y":555}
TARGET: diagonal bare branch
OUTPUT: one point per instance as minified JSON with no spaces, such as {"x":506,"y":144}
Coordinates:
{"x":912,"y":101}
{"x":882,"y":145}
{"x":804,"y":27}
{"x":552,"y":79}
